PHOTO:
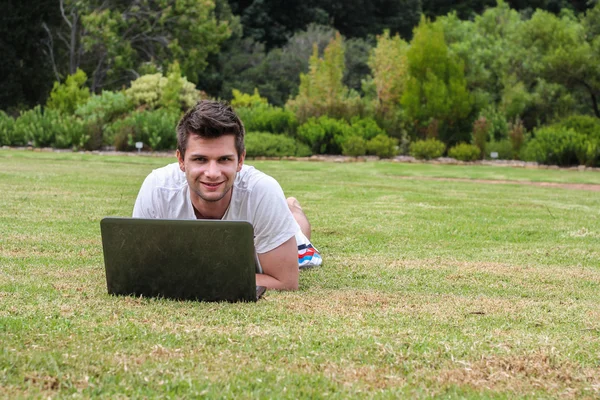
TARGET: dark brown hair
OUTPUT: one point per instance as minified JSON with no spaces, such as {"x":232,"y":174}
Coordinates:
{"x":210,"y":119}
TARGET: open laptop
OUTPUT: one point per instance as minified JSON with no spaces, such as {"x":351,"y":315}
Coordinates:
{"x":206,"y":260}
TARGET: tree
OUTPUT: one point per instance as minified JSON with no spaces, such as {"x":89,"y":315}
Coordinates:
{"x":116,"y":40}
{"x":321,"y":90}
{"x":436,"y":93}
{"x":564,"y":51}
{"x":389,"y":68}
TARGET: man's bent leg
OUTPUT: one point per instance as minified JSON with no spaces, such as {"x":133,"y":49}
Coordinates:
{"x":299,"y":216}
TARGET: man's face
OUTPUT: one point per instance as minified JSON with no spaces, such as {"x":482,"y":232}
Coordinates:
{"x":210,"y":166}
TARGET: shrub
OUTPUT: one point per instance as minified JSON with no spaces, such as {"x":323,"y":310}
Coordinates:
{"x":266,"y":118}
{"x":465,"y":152}
{"x":383,"y":146}
{"x":561,"y":146}
{"x":148,"y":91}
{"x":516,"y":135}
{"x":583,"y":124}
{"x":427,"y":149}
{"x":354,"y":146}
{"x":247,"y":100}
{"x":504,"y":149}
{"x":498,"y":126}
{"x":50,"y":128}
{"x":156,"y":129}
{"x":8,"y":136}
{"x":270,"y":145}
{"x":66,"y":97}
{"x":367,"y":128}
{"x":98,"y":112}
{"x":481,"y":129}
{"x":324,"y":135}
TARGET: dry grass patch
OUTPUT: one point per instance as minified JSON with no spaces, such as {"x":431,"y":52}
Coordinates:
{"x":536,"y":371}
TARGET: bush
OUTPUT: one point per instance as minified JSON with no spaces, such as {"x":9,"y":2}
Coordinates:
{"x":148,"y":91}
{"x":266,"y":118}
{"x":50,"y":128}
{"x":465,"y":152}
{"x":481,"y":129}
{"x":7,"y":131}
{"x":270,"y":145}
{"x":156,"y":129}
{"x":324,"y":135}
{"x":66,"y":97}
{"x":427,"y":149}
{"x":498,"y":126}
{"x":98,"y":112}
{"x":354,"y":146}
{"x":583,"y":124}
{"x":561,"y":146}
{"x":367,"y":128}
{"x":383,"y":146}
{"x":247,"y":100}
{"x":504,"y":148}
{"x":516,"y":135}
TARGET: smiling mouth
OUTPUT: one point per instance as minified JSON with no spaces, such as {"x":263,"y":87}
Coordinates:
{"x":212,"y":185}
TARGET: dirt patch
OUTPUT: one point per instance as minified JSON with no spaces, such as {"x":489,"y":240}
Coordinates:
{"x":523,"y":373}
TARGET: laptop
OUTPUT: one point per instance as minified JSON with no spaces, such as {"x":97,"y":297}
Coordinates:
{"x":204,"y":260}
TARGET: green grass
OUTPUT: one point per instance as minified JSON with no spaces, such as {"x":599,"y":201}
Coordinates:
{"x":434,"y":285}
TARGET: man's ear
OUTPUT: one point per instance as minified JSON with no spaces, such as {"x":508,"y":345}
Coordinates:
{"x":180,"y":159}
{"x":241,"y":161}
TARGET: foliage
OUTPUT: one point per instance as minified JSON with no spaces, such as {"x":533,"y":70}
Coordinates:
{"x":583,"y":124}
{"x":322,"y":91}
{"x":121,"y":37}
{"x":149,"y":91}
{"x":389,"y":68}
{"x":66,"y":97}
{"x":367,"y":128}
{"x":97,"y":114}
{"x":504,"y":148}
{"x":50,"y":128}
{"x":247,"y":100}
{"x":383,"y":146}
{"x":154,"y":128}
{"x":436,"y":87}
{"x":516,"y":135}
{"x":324,"y":135}
{"x":497,"y":123}
{"x":270,"y":145}
{"x":266,"y":118}
{"x":7,"y":131}
{"x":465,"y":152}
{"x":427,"y":149}
{"x":562,"y":146}
{"x":481,"y":129}
{"x":354,"y":146}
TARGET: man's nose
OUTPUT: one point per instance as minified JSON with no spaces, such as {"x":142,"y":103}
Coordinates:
{"x":212,"y":170}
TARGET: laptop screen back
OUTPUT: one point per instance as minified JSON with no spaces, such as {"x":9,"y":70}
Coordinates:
{"x":208,"y":260}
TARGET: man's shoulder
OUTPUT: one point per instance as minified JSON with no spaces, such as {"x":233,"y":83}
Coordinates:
{"x":168,"y":177}
{"x":250,"y":178}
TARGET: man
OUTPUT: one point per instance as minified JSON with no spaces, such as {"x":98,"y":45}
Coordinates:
{"x":210,"y":181}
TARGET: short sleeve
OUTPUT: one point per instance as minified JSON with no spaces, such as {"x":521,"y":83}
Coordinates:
{"x":146,"y":204}
{"x":273,"y":221}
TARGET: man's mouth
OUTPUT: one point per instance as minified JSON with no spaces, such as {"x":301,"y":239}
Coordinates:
{"x":211,"y":185}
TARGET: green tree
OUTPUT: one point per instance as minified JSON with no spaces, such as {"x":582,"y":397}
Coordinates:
{"x":436,"y":89}
{"x":389,"y":68}
{"x":321,"y":90}
{"x":66,"y":97}
{"x":565,"y":51}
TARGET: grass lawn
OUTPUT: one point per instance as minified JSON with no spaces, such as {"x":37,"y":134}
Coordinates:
{"x":435,"y":283}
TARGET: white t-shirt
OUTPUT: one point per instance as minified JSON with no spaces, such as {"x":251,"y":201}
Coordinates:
{"x":256,"y":198}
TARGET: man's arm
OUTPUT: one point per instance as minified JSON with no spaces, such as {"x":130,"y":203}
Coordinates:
{"x":280,"y":267}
